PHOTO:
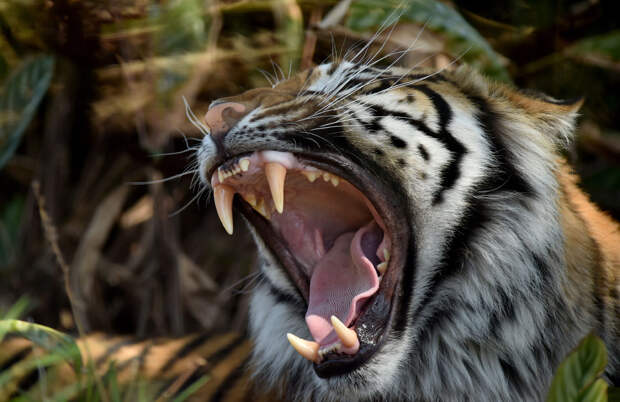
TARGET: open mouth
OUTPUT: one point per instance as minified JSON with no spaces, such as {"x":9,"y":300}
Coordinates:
{"x":334,"y":242}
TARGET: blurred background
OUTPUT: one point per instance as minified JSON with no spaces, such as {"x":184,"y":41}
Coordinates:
{"x":92,"y":104}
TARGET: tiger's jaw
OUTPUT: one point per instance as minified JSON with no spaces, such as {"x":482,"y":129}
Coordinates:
{"x":336,"y":232}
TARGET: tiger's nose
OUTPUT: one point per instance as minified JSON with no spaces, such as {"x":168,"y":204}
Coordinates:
{"x":221,"y":117}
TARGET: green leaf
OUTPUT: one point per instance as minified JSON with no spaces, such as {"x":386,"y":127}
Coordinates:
{"x":111,"y":381}
{"x":60,"y":344}
{"x":183,"y":26}
{"x":607,"y":45}
{"x":195,"y":386}
{"x":462,"y":37}
{"x":19,"y":98}
{"x":597,"y":392}
{"x":577,"y":377}
{"x":16,"y":310}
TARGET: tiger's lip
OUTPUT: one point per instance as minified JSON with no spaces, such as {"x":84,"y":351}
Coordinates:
{"x":377,"y":315}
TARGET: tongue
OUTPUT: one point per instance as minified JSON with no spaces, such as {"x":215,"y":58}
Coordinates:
{"x":342,"y":281}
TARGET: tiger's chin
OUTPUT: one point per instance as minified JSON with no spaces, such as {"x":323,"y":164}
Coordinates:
{"x":337,"y":241}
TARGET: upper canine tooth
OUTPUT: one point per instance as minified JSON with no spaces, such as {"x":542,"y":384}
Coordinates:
{"x":386,"y":254}
{"x":276,"y":173}
{"x":223,"y":196}
{"x":220,"y":174}
{"x":308,"y":349}
{"x":244,"y":163}
{"x":347,"y":336}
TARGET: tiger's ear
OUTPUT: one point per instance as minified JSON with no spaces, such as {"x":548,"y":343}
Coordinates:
{"x":556,"y":117}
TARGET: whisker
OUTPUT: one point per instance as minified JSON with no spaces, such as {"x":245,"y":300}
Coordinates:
{"x":176,"y":176}
{"x":194,"y":120}
{"x":197,"y":196}
{"x":268,"y":77}
{"x":189,"y":149}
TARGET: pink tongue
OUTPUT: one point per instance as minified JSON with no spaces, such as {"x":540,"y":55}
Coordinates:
{"x":341,"y":281}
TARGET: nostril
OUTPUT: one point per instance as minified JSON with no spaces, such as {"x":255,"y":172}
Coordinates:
{"x":222,"y":117}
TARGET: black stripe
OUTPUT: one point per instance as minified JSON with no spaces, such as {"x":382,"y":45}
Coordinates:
{"x":185,"y":350}
{"x":513,"y":377}
{"x":476,"y":216}
{"x":28,"y":381}
{"x":229,"y":381}
{"x":113,"y":349}
{"x":423,"y":152}
{"x":332,"y":69}
{"x":284,"y":298}
{"x":507,"y":176}
{"x":200,"y":371}
{"x":22,"y":354}
{"x":449,"y":174}
{"x":215,"y":358}
{"x":141,"y":358}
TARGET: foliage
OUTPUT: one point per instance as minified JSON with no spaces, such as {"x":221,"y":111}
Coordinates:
{"x":462,"y":37}
{"x":128,"y":65}
{"x":88,"y":384}
{"x":578,"y":379}
{"x":606,"y":45}
{"x":19,"y":99}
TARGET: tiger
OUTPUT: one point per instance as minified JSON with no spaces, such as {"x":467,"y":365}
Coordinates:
{"x":421,"y":237}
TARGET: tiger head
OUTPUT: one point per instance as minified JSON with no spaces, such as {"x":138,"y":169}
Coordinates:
{"x":407,"y":227}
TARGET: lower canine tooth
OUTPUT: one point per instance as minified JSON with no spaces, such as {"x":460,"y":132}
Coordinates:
{"x":223,"y":196}
{"x":250,"y":198}
{"x":308,"y":349}
{"x":260,"y":207}
{"x":382,"y":267}
{"x":348,"y":337}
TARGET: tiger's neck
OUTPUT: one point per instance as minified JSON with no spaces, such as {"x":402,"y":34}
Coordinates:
{"x":592,"y":253}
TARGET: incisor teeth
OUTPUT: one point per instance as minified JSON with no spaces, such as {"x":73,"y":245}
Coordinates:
{"x":382,"y":267}
{"x":347,"y":336}
{"x":335,"y":181}
{"x":276,"y":173}
{"x":308,"y":349}
{"x":311,"y":176}
{"x":244,"y":164}
{"x":336,"y":347}
{"x":223,"y":196}
{"x":326,"y":176}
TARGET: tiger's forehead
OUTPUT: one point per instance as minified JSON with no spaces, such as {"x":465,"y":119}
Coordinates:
{"x":395,"y":85}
